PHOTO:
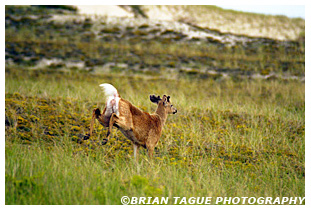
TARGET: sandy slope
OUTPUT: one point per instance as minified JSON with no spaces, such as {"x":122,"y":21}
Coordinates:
{"x":275,"y":27}
{"x":106,"y":10}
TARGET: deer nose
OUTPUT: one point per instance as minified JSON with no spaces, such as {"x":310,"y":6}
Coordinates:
{"x":175,"y":111}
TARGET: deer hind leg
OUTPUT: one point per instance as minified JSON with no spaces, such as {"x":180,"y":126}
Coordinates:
{"x":113,"y":119}
{"x":95,"y":115}
{"x":120,"y":123}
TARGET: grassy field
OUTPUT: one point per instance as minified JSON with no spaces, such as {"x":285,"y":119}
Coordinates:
{"x":228,"y":139}
{"x":231,"y":137}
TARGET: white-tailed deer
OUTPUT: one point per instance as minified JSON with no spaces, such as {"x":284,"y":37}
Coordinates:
{"x":142,"y":128}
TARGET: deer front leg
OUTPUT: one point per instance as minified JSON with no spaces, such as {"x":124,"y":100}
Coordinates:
{"x":136,"y":149}
{"x":150,"y":152}
{"x":151,"y":143}
{"x":150,"y":146}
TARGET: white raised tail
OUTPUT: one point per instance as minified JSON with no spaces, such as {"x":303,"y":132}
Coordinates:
{"x":112,"y":106}
{"x":113,"y":98}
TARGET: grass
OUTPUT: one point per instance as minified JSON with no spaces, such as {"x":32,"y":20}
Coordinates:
{"x":228,"y":139}
{"x":232,"y":137}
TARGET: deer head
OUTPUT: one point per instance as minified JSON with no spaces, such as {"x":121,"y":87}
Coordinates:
{"x":164,"y":102}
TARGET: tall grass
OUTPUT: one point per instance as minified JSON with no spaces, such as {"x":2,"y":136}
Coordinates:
{"x":228,"y":139}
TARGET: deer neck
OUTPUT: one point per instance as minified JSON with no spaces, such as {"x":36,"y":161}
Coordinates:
{"x":162,"y":114}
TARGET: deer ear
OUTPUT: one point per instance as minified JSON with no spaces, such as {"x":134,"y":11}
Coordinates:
{"x":165,"y":99}
{"x":168,"y":98}
{"x":155,"y":99}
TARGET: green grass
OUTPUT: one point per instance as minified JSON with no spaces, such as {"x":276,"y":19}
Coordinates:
{"x":228,"y":139}
{"x":233,"y":137}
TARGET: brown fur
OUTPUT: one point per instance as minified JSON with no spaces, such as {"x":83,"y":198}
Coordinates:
{"x":142,"y":128}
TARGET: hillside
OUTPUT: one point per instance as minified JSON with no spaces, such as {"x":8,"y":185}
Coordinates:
{"x":212,"y":17}
{"x":62,"y":39}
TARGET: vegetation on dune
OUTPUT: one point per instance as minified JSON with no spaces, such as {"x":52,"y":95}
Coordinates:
{"x":29,"y":41}
{"x":231,"y":136}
